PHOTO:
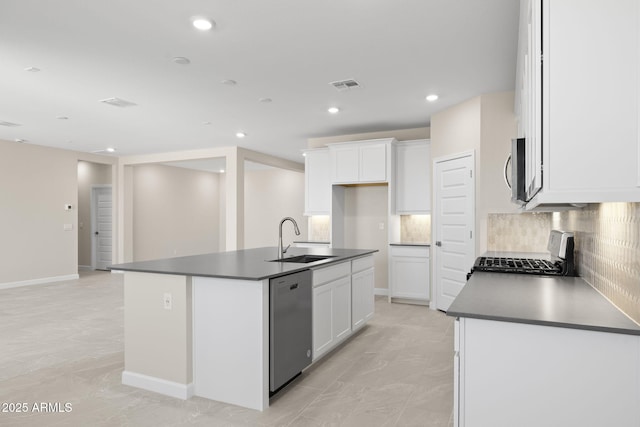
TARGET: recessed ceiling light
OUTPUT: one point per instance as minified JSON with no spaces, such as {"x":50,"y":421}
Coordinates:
{"x":110,"y":150}
{"x":431,"y":98}
{"x":20,"y":140}
{"x":221,"y":170}
{"x":202,"y":24}
{"x":265,"y":100}
{"x":304,"y":154}
{"x":32,"y":69}
{"x":181,"y":60}
{"x":241,"y":134}
{"x":229,"y":82}
{"x":333,"y":110}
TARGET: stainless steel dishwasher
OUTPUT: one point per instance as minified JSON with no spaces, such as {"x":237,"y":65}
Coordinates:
{"x":289,"y":327}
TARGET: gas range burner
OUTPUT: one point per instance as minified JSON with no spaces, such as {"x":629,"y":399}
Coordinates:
{"x":518,"y":265}
{"x":560,"y":247}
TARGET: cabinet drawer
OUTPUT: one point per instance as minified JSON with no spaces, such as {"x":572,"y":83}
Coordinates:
{"x":328,"y":274}
{"x":412,"y":251}
{"x":362,"y":263}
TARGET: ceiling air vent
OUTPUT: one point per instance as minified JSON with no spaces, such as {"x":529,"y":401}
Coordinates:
{"x":118,"y":102}
{"x":8,"y":124}
{"x":343,"y":85}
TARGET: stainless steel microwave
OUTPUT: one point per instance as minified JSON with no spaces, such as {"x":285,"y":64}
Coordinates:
{"x":518,"y":172}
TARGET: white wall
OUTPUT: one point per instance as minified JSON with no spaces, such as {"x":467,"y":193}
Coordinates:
{"x":484,"y":124}
{"x":175,"y":212}
{"x":35,"y":184}
{"x":366,"y":207}
{"x":269,"y":196}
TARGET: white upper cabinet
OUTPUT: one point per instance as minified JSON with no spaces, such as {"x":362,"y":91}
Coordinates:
{"x":413,"y":177}
{"x":317,"y":181}
{"x":577,"y":100}
{"x":360,"y":162}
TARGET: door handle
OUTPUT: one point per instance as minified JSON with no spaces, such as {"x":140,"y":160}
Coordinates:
{"x":96,"y":233}
{"x":438,"y":243}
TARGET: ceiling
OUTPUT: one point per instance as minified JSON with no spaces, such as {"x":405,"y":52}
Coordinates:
{"x":399,"y":51}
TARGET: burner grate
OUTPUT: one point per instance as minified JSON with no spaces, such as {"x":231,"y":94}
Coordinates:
{"x":518,"y":265}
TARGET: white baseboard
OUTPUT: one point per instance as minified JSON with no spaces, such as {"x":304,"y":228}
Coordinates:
{"x":381,"y":291}
{"x":85,"y":268}
{"x":38,"y":281}
{"x":117,"y":271}
{"x":158,"y":385}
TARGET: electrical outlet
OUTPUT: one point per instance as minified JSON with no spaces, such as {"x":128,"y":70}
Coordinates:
{"x":381,"y":225}
{"x":167,"y":301}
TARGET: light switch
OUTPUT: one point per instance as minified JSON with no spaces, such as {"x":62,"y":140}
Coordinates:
{"x":381,"y":225}
{"x":67,"y":227}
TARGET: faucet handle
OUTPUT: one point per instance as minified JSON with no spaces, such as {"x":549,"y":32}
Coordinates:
{"x":284,"y":251}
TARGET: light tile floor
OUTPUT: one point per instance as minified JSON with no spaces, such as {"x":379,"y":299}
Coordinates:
{"x":63,"y":343}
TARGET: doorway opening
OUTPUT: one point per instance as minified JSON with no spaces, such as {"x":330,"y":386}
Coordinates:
{"x":95,"y":210}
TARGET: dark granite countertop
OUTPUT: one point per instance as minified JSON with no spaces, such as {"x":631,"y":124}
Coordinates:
{"x":409,"y":244}
{"x":567,"y":302}
{"x":248,"y":264}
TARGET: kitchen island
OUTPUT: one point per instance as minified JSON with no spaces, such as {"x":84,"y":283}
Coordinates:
{"x":199,"y":325}
{"x":542,"y":351}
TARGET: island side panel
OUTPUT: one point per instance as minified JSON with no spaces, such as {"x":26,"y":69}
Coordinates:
{"x":231,"y":341}
{"x":157,"y":340}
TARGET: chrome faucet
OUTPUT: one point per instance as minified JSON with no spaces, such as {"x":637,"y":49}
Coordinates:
{"x":281,"y":250}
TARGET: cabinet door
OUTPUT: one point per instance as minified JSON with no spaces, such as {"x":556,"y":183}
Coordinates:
{"x":362,"y":285}
{"x":410,"y":277}
{"x":553,"y":375}
{"x":317,"y":182}
{"x":413,"y":179}
{"x":533,"y":136}
{"x":344,"y":164}
{"x":322,"y":319}
{"x":603,"y":158}
{"x":341,"y":315}
{"x":373,"y":163}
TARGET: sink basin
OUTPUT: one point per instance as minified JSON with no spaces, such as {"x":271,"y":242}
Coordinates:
{"x":303,"y":259}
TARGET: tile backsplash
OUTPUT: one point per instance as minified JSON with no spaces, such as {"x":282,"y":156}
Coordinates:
{"x":525,"y":232}
{"x":319,"y":228}
{"x":415,"y":228}
{"x":607,"y":238}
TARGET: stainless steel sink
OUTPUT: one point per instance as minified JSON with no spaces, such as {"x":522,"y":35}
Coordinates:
{"x":303,"y":259}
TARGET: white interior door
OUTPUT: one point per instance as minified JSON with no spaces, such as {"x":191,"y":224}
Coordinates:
{"x":454,"y":198}
{"x":101,"y":212}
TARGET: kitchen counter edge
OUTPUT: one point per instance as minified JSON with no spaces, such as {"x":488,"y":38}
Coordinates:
{"x":567,"y":302}
{"x":248,"y":264}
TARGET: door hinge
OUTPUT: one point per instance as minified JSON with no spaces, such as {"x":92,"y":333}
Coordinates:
{"x":470,"y":174}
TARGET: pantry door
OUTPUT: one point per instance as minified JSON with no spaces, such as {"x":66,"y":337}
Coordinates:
{"x":454,"y":225}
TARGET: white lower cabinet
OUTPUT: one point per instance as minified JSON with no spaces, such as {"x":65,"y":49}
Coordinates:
{"x":331,"y":307}
{"x":410,"y":272}
{"x":508,"y":374}
{"x":342,"y":302}
{"x":362,"y":291}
